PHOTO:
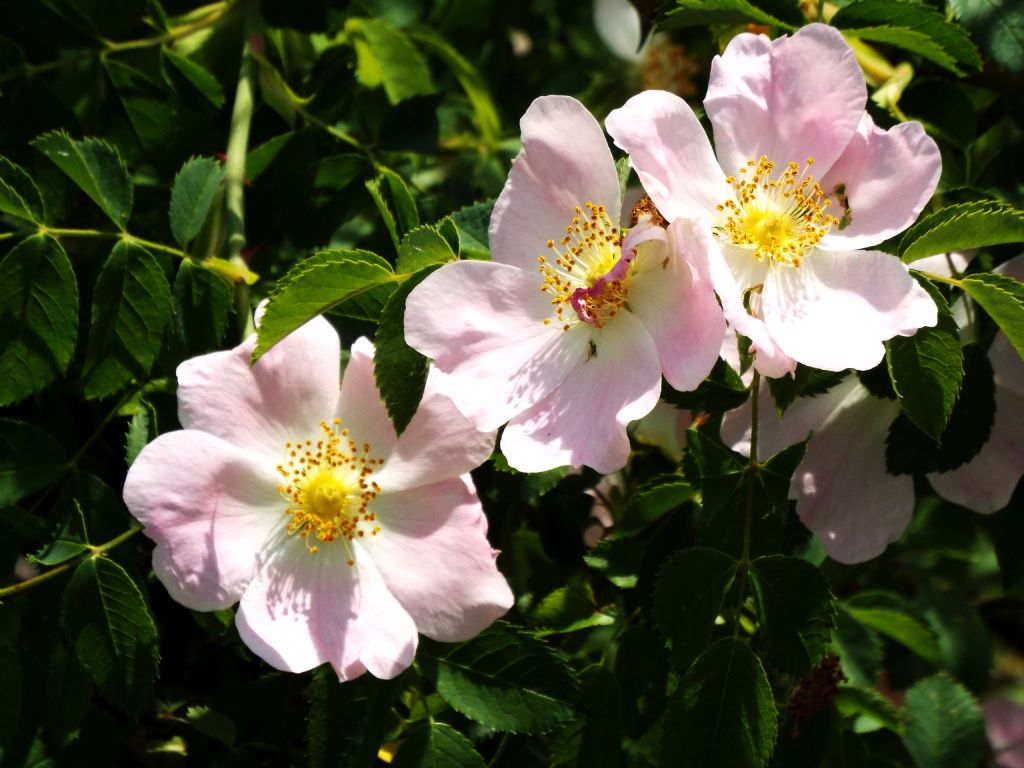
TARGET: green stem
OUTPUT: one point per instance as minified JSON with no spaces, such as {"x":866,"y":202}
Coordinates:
{"x":942,"y":279}
{"x":99,"y":550}
{"x":753,"y":467}
{"x":64,"y":232}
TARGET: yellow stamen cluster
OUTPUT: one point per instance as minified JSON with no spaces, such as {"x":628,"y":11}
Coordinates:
{"x":778,"y":217}
{"x":327,"y":486}
{"x":589,"y":249}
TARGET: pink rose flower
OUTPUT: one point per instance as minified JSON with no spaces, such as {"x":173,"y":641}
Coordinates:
{"x":802,"y":180}
{"x":339,"y":540}
{"x":567,"y":332}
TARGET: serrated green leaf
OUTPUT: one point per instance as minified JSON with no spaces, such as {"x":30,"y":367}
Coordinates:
{"x":38,"y":317}
{"x":913,"y":27}
{"x":437,"y":745}
{"x":131,"y":309}
{"x":860,"y":649}
{"x":505,"y":680}
{"x":96,"y":167}
{"x":569,"y":609}
{"x":890,"y":616}
{"x":384,"y":56}
{"x":395,"y":203}
{"x":68,"y":693}
{"x":192,"y":195}
{"x":319,"y":284}
{"x":450,"y":232}
{"x":199,"y":76}
{"x":473,"y":222}
{"x":722,"y":713}
{"x":688,"y":13}
{"x":722,"y":390}
{"x":623,"y":169}
{"x":690,"y":590}
{"x":150,"y":111}
{"x":142,"y":429}
{"x":30,"y":460}
{"x":927,"y":369}
{"x":867,"y":704}
{"x":422,"y":247}
{"x":71,"y":540}
{"x":958,"y":227}
{"x":944,"y":724}
{"x":399,"y":370}
{"x":203,"y":302}
{"x":654,"y":499}
{"x":594,"y":740}
{"x":805,"y":382}
{"x":1003,"y":299}
{"x":795,"y":611}
{"x":19,"y":195}
{"x":997,"y":26}
{"x":347,"y":721}
{"x":618,"y":559}
{"x":211,"y":723}
{"x":963,"y":636}
{"x":113,"y":635}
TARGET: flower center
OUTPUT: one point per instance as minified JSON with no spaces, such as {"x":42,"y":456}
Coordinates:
{"x":778,"y":216}
{"x":588,"y":273}
{"x":326,"y":484}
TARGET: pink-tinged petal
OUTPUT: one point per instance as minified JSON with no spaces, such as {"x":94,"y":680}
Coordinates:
{"x":944,"y":264}
{"x":789,"y":99}
{"x":210,"y":507}
{"x":435,"y":559}
{"x":671,"y":293}
{"x":565,"y":162}
{"x":986,"y":483}
{"x":439,"y":443}
{"x":835,"y":310}
{"x":1004,"y":727}
{"x":671,"y":154}
{"x":734,"y":271}
{"x":483,"y":325}
{"x":360,"y":407}
{"x":584,"y":420}
{"x":842,"y":490}
{"x":618,"y":25}
{"x":775,"y":434}
{"x":303,"y":609}
{"x":887,"y":177}
{"x":665,"y":429}
{"x":284,"y":395}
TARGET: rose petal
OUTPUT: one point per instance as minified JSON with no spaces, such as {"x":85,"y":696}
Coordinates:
{"x":434,"y":557}
{"x":789,"y":99}
{"x":671,"y":154}
{"x":210,"y":507}
{"x":835,"y":310}
{"x":285,"y":394}
{"x":618,"y":25}
{"x":583,"y":421}
{"x":887,"y":177}
{"x":303,"y":609}
{"x":483,"y":325}
{"x":565,"y":162}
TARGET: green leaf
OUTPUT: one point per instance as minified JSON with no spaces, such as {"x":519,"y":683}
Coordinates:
{"x":68,"y":693}
{"x":437,"y":745}
{"x":795,"y":611}
{"x":997,"y":26}
{"x":569,"y":609}
{"x":399,"y":370}
{"x":423,"y":247}
{"x":913,"y":27}
{"x":690,"y":590}
{"x":203,"y":302}
{"x":688,"y":13}
{"x":594,"y":740}
{"x":506,"y":680}
{"x":71,"y":540}
{"x":472,"y":223}
{"x":96,"y":168}
{"x":944,"y":725}
{"x":319,"y":284}
{"x":396,"y":206}
{"x":211,"y":723}
{"x":192,"y":195}
{"x":384,"y":56}
{"x":347,"y":721}
{"x":889,"y":615}
{"x":871,"y":708}
{"x":112,"y":633}
{"x":1003,"y":299}
{"x":30,"y":460}
{"x":199,"y":76}
{"x":805,"y":382}
{"x":654,"y":499}
{"x":722,"y":390}
{"x":623,"y":169}
{"x":860,"y":649}
{"x":618,"y":559}
{"x":722,"y":712}
{"x":150,"y":111}
{"x":131,"y":309}
{"x":19,"y":195}
{"x":927,"y":368}
{"x":958,"y":227}
{"x":963,"y":636}
{"x":142,"y":429}
{"x":38,"y":317}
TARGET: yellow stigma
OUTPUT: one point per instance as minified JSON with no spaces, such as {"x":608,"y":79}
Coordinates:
{"x":328,"y":490}
{"x":779,"y":217}
{"x":587,"y":252}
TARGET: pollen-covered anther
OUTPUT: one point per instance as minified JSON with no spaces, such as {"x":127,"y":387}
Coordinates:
{"x":778,"y":216}
{"x":581,"y":274}
{"x":326,"y":489}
